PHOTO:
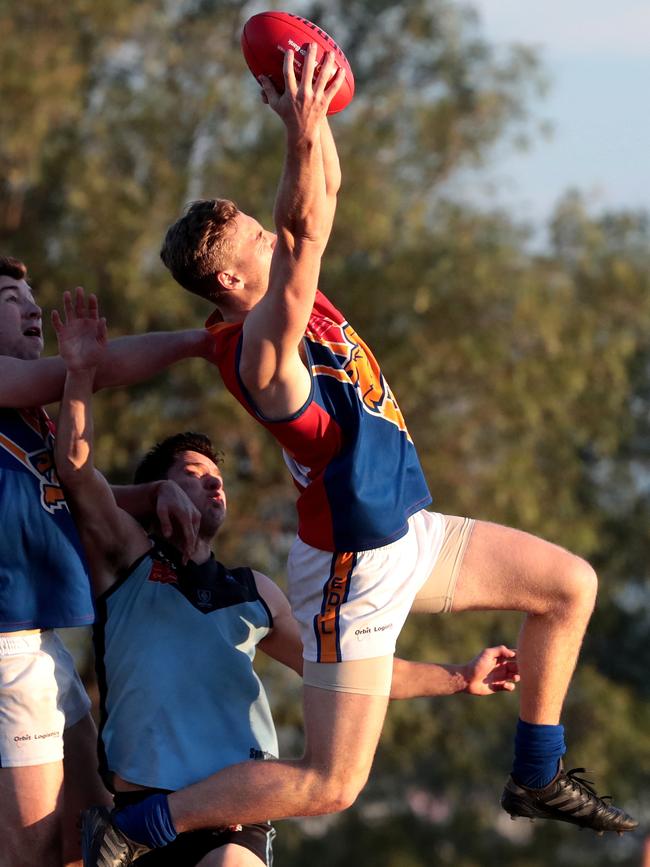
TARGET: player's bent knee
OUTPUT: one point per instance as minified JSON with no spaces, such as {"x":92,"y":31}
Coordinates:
{"x":582,"y":584}
{"x":573,"y":592}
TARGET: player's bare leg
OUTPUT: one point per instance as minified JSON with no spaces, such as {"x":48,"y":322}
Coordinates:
{"x":82,"y":784}
{"x":341,"y":735}
{"x":31,"y":808}
{"x":231,"y":855}
{"x":505,"y":569}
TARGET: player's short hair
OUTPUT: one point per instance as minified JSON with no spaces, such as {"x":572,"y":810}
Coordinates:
{"x":199,"y":245}
{"x":10,"y":267}
{"x":158,"y":461}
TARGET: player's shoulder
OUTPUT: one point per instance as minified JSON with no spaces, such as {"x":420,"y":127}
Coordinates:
{"x":270,"y":593}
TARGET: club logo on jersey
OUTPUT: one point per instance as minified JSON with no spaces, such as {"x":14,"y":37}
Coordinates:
{"x":163,"y":572}
{"x":359,"y":367}
{"x":41,"y":464}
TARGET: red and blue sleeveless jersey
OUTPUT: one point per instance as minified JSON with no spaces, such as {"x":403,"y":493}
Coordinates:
{"x":349,"y":452}
{"x":43,"y":578}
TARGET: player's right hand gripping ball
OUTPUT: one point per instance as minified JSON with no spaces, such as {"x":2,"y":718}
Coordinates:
{"x":267,"y":36}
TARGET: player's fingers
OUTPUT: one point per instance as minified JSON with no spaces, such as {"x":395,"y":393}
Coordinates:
{"x":164,"y":521}
{"x":269,"y":93}
{"x":308,"y":68}
{"x":334,"y":85}
{"x":93,"y":306}
{"x":102,"y":330}
{"x":503,"y":651}
{"x":79,"y":301}
{"x":289,"y":71}
{"x":189,"y":524}
{"x":67,"y":305}
{"x":56,"y":321}
{"x":326,"y":71}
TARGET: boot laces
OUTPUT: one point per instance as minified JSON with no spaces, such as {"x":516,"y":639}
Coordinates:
{"x":585,"y":787}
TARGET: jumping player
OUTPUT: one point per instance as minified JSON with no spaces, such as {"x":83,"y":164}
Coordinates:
{"x":158,"y":616}
{"x":47,"y":737}
{"x":367,"y":551}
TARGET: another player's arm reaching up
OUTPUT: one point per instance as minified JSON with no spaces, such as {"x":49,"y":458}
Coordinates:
{"x":270,"y":364}
{"x":112,"y":539}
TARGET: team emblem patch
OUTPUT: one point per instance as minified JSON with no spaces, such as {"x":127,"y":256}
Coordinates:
{"x":41,"y":464}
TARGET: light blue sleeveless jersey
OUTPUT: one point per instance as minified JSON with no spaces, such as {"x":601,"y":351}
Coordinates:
{"x":174,"y":650}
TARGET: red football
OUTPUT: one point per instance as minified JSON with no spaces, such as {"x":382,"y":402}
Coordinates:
{"x":267,"y":36}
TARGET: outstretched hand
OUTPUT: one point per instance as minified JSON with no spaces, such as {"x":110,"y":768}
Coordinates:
{"x":82,"y":333}
{"x":493,"y":670}
{"x":307,"y":100}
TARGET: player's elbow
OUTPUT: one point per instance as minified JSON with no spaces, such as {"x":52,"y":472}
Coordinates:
{"x":72,"y":468}
{"x":335,"y":796}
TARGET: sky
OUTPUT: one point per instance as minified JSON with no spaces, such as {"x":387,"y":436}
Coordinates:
{"x":596,"y":54}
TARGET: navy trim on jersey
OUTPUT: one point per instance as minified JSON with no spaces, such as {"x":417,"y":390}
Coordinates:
{"x":256,"y":411}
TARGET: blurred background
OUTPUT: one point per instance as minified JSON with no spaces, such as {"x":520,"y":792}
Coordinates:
{"x":491,"y":244}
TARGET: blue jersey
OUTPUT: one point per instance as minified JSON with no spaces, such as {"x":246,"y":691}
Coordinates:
{"x":348,"y":449}
{"x":43,"y":578}
{"x":174,"y":648}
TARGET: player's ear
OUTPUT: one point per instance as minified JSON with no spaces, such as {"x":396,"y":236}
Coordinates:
{"x":228,"y":280}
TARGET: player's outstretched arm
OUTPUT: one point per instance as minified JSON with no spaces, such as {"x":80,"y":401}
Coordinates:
{"x":127,"y":360}
{"x":493,"y":670}
{"x":111,"y":538}
{"x":270,"y":365}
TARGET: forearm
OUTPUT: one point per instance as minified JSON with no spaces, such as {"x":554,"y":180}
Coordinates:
{"x":299,"y":211}
{"x":421,"y":679}
{"x":138,"y":500}
{"x":74,"y":440}
{"x":137,"y":357}
{"x":332,"y":171}
{"x":331,"y":164}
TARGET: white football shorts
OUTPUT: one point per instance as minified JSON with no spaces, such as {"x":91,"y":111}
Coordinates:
{"x":41,"y":695}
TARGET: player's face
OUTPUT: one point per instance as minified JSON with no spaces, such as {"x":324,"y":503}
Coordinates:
{"x":253,"y":249}
{"x":201,"y":480}
{"x":21,"y":331}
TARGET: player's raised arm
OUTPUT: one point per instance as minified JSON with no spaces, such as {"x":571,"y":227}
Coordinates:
{"x":270,"y":366}
{"x":332,"y":170}
{"x":112,"y":539}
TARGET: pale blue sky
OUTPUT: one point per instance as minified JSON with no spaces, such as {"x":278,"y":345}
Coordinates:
{"x":596,"y":54}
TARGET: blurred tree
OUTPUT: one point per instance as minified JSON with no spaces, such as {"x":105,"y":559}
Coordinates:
{"x":525,"y":378}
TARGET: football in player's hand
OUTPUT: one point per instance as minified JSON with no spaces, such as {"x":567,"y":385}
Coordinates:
{"x":267,"y":36}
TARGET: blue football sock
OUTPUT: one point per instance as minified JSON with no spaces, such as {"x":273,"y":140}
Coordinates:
{"x":148,"y":822}
{"x":538,"y":750}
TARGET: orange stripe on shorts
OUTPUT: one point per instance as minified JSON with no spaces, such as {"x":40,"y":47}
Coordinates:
{"x":334,"y":595}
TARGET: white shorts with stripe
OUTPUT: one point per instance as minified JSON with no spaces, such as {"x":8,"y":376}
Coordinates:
{"x":352,"y":606}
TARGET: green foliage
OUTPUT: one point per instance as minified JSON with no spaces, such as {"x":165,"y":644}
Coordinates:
{"x":525,"y":378}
